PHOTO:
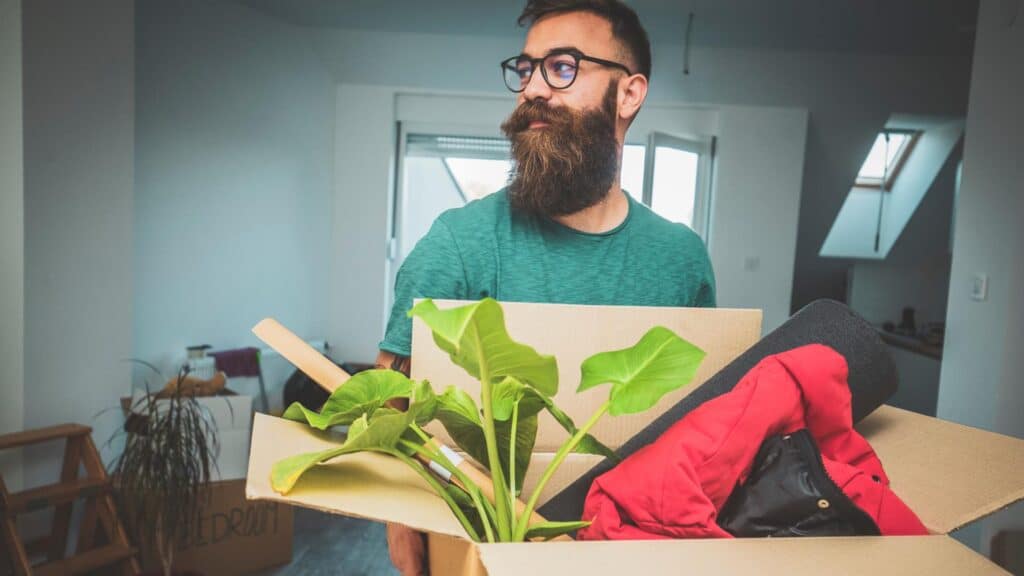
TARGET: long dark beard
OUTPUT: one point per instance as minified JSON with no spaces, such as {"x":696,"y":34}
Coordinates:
{"x":566,"y":166}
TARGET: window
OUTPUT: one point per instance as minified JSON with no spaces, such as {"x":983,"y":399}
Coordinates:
{"x":477,"y":177}
{"x":885,"y":159}
{"x":676,"y":182}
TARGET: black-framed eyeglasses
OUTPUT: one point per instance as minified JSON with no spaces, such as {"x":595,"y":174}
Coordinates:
{"x":558,"y":68}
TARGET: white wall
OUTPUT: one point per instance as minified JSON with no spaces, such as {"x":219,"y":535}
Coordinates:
{"x":919,"y":381}
{"x":848,"y":96}
{"x":12,"y":239}
{"x":234,"y":153}
{"x":981,"y":372}
{"x":754,"y":208}
{"x":364,"y":145}
{"x":79,"y":78}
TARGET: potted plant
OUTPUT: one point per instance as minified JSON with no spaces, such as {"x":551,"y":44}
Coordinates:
{"x":162,"y":474}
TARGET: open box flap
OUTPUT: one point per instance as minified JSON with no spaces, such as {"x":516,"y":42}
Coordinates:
{"x":364,"y":485}
{"x":572,"y":333}
{"x":949,"y":474}
{"x":924,"y":555}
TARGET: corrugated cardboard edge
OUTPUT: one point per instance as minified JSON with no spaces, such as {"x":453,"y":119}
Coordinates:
{"x":949,"y":474}
{"x":908,"y":555}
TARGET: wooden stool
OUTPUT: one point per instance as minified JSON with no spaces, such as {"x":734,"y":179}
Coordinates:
{"x":114,"y":551}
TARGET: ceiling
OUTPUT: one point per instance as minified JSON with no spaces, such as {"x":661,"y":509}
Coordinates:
{"x":878,"y":26}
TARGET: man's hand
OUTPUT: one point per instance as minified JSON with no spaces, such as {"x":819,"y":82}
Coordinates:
{"x":408,"y":548}
{"x":398,"y":364}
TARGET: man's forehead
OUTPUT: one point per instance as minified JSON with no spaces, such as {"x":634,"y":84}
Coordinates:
{"x":583,"y":31}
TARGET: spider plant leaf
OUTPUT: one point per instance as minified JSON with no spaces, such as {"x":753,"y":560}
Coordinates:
{"x":641,"y":374}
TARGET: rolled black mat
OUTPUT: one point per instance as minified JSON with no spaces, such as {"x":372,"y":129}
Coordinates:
{"x":872,"y":380}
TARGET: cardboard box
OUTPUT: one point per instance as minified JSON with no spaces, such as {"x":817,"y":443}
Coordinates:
{"x":231,"y":415}
{"x":232,"y":536}
{"x":949,"y":474}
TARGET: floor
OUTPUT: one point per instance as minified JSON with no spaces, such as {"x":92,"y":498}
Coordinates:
{"x":330,"y":544}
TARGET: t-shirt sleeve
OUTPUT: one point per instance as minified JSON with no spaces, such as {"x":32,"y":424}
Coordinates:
{"x":705,"y":296}
{"x":433,"y":269}
{"x":706,"y":292}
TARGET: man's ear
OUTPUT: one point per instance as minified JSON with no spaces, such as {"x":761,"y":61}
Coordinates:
{"x":632,"y":93}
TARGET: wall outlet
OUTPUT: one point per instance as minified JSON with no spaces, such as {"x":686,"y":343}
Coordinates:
{"x":979,"y":287}
{"x":751,"y":263}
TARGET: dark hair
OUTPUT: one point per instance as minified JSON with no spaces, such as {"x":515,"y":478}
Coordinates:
{"x":626,"y":27}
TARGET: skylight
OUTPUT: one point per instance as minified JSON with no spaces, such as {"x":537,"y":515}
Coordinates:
{"x":885,"y":158}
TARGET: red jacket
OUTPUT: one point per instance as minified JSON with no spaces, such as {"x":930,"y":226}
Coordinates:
{"x":675,"y":487}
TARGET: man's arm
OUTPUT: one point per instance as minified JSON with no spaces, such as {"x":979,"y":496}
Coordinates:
{"x":407,"y":547}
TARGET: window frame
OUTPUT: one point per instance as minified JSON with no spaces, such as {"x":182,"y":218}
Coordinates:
{"x":906,"y":149}
{"x":705,"y":148}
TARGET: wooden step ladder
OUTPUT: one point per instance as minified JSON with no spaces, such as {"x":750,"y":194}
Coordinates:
{"x":102,"y":541}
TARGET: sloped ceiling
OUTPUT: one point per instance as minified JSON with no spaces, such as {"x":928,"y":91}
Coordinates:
{"x":879,"y":26}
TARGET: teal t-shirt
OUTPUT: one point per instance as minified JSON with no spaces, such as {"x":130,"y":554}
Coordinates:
{"x":485,"y":249}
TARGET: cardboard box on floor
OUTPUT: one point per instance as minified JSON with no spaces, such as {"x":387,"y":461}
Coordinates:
{"x":949,"y":474}
{"x":230,"y":535}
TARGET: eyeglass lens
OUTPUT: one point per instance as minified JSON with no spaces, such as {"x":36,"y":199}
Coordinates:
{"x":559,"y":70}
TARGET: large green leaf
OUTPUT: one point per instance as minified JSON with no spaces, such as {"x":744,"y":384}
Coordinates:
{"x":460,"y":417}
{"x":640,"y":375}
{"x":379,"y":432}
{"x":475,"y":334}
{"x":425,"y":400}
{"x":362,"y":394}
{"x":549,"y":530}
{"x":510,"y":391}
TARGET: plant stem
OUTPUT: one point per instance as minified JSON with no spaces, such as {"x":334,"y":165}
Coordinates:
{"x":419,"y":432}
{"x":437,"y":456}
{"x":512,"y":463}
{"x":501,"y":502}
{"x":468,"y":485}
{"x":426,"y":475}
{"x":524,"y":521}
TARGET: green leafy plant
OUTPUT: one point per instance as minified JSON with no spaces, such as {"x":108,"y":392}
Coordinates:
{"x":517,"y":384}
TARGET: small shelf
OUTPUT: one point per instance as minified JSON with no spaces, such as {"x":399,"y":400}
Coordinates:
{"x":911,"y":344}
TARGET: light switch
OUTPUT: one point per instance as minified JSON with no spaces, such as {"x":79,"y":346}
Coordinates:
{"x":979,"y":287}
{"x":751,"y":263}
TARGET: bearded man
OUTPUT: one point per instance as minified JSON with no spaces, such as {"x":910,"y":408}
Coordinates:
{"x":563,"y":230}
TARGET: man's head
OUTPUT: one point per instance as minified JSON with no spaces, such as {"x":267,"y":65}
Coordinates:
{"x":581,"y":78}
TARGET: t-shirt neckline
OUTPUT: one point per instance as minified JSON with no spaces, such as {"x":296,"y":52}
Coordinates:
{"x":630,"y":208}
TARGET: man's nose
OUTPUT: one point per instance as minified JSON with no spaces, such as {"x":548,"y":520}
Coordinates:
{"x":537,"y":87}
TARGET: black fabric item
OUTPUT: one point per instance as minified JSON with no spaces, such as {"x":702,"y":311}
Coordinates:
{"x":302,"y":389}
{"x":872,"y":379}
{"x":788,"y":493}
